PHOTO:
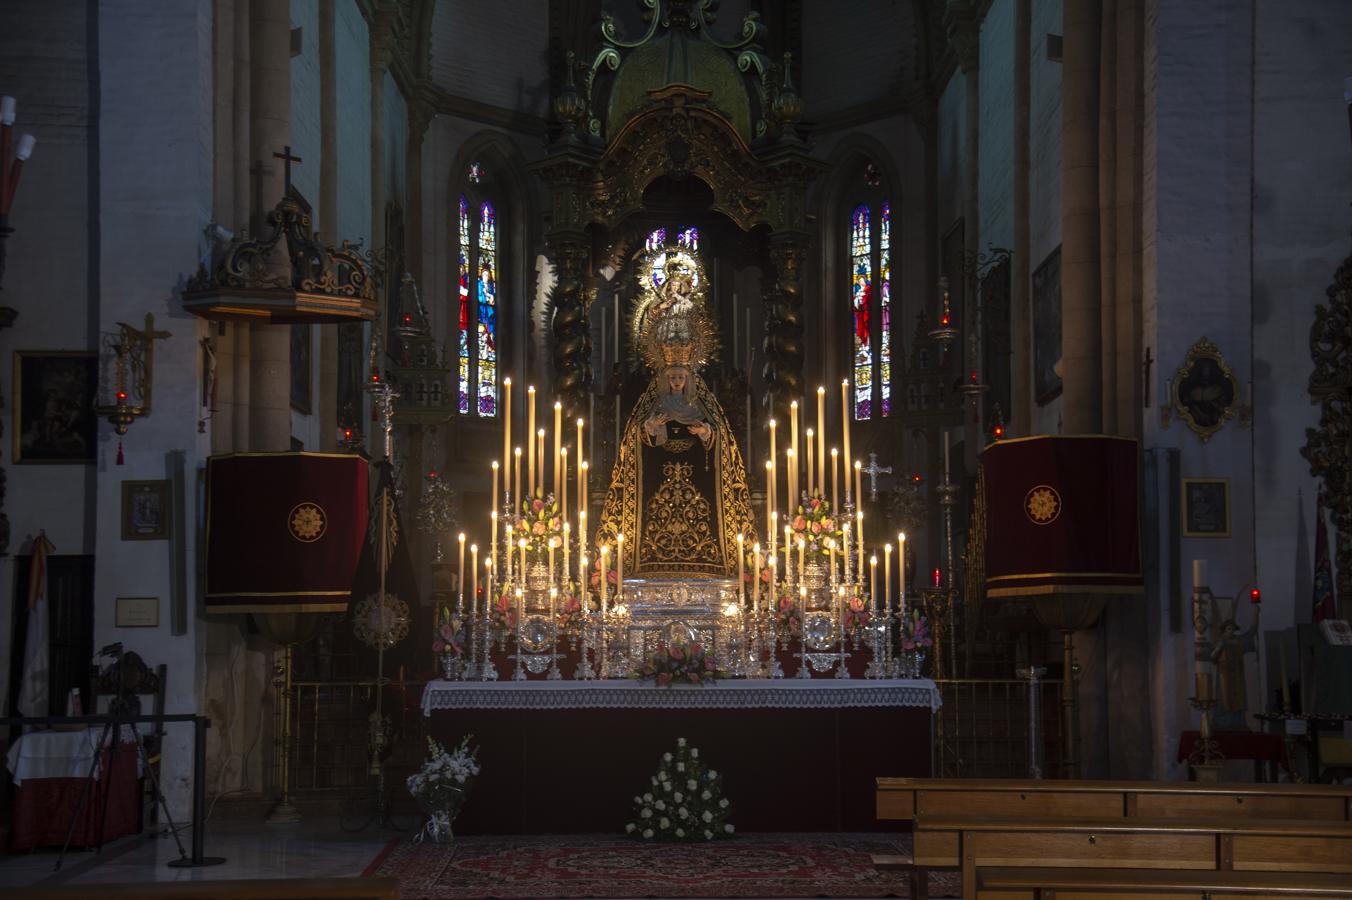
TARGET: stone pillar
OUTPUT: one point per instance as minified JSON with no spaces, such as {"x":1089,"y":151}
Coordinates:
{"x":420,"y":114}
{"x":382,"y":46}
{"x":1081,"y":326}
{"x":783,"y":372}
{"x":1107,"y":213}
{"x":571,"y":330}
{"x":1130,"y":107}
{"x":964,"y":32}
{"x":1021,"y":310}
{"x":327,"y":401}
{"x":270,"y":130}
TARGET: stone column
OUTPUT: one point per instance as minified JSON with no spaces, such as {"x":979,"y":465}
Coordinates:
{"x":571,"y":330}
{"x":420,"y":114}
{"x":327,"y":401}
{"x":1130,"y":187}
{"x":1021,"y":311}
{"x":382,"y":47}
{"x":964,"y":31}
{"x":1081,"y":326}
{"x":1107,"y":213}
{"x":270,"y":130}
{"x":783,"y":372}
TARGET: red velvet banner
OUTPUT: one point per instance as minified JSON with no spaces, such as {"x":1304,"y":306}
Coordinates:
{"x":1062,"y":516}
{"x":284,"y":531}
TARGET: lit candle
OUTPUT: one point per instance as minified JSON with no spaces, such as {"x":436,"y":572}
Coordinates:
{"x":605,"y":575}
{"x":530,"y":438}
{"x":770,"y":486}
{"x":619,"y":568}
{"x":582,"y":546}
{"x":583,"y":471}
{"x":473,"y":577}
{"x":812,"y":484}
{"x":774,"y":531}
{"x":792,"y":465}
{"x":567,"y":572}
{"x":493,"y":497}
{"x":523,"y":559}
{"x":755,"y":577}
{"x":770,"y":481}
{"x":938,"y":577}
{"x":901,"y":572}
{"x":873,"y":581}
{"x":460,"y":576}
{"x":821,"y":439}
{"x":858,"y":483}
{"x":516,"y":482}
{"x":887,"y":577}
{"x":508,"y":553}
{"x":859,"y":536}
{"x":488,"y":593}
{"x":506,"y":430}
{"x":558,"y":446}
{"x":845,"y":556}
{"x":561,"y":479}
{"x":845,"y":428}
{"x":539,"y":483}
{"x":493,"y":543}
{"x":835,"y":482}
{"x":741,"y":573}
{"x":793,"y":456}
{"x":581,"y":487}
{"x":831,"y":558}
{"x":788,"y":545}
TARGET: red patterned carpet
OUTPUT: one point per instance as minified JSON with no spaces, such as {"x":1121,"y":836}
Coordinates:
{"x":604,"y":866}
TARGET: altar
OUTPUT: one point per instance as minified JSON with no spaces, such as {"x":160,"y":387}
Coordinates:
{"x":796,"y":755}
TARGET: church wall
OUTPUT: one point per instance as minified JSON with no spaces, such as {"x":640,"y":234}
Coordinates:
{"x":354,"y":124}
{"x":1044,"y":164}
{"x":952,"y":137}
{"x":1197,"y":259}
{"x":152,"y":216}
{"x":43,"y":66}
{"x":396,"y":146}
{"x":997,"y":128}
{"x":494,"y":53}
{"x":1302,"y":179}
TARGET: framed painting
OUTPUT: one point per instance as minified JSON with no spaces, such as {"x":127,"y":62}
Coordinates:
{"x":54,"y":399}
{"x":145,"y":510}
{"x":1204,"y":390}
{"x":1206,"y":507}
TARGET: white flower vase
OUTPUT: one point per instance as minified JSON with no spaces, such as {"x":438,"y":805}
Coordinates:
{"x":441,"y":810}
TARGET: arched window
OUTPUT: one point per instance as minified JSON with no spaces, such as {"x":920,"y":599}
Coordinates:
{"x":687,"y":239}
{"x":871,"y":309}
{"x":477,"y":322}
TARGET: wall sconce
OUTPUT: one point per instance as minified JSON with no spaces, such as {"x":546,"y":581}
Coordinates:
{"x":9,"y":170}
{"x":133,"y":353}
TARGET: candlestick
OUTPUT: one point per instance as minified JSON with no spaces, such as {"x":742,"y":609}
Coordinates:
{"x":845,"y":429}
{"x":835,"y":482}
{"x":558,"y":447}
{"x":813,"y":484}
{"x":845,"y":557}
{"x":873,"y":581}
{"x":887,"y":577}
{"x":821,"y":439}
{"x":755,"y":577}
{"x":788,"y":545}
{"x":473,"y":577}
{"x":460,"y":576}
{"x":561,"y":479}
{"x":516,"y":482}
{"x":619,"y":568}
{"x":506,"y":433}
{"x":770,"y":480}
{"x":530,"y":439}
{"x":831,"y":559}
{"x":539,"y":483}
{"x":741,"y":556}
{"x":793,"y":457}
{"x":901,"y":572}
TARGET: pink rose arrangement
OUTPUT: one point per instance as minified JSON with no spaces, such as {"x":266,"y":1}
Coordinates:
{"x":857,"y":616}
{"x":679,"y":663}
{"x":816,"y":523}
{"x":788,"y":623}
{"x":539,"y":522}
{"x":449,"y":634}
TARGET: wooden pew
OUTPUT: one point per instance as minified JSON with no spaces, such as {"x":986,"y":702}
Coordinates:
{"x":902,"y":799}
{"x":1024,"y":883}
{"x":241,"y":889}
{"x":1231,"y":844}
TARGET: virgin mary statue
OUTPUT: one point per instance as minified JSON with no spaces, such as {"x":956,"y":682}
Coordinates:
{"x":678,"y":491}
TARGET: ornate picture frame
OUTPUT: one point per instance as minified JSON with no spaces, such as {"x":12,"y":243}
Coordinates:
{"x":1204,"y":391}
{"x":1206,"y":507}
{"x":54,"y":420}
{"x":146,"y":510}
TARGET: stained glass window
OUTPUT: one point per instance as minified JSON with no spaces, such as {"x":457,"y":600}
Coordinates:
{"x":885,"y":309}
{"x":657,"y":239}
{"x":861,"y":297}
{"x":687,"y":239}
{"x":488,"y":311}
{"x":463,"y":319}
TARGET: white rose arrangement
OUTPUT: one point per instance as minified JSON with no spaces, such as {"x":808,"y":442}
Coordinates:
{"x":699,"y":812}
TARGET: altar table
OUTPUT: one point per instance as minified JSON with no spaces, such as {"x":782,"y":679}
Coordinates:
{"x":50,"y":770}
{"x":795,"y":755}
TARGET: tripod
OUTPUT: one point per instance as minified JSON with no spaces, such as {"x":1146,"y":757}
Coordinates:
{"x":121,"y":713}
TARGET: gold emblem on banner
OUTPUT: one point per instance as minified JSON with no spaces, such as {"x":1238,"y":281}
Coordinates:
{"x":307,"y":522}
{"x":1042,"y":505}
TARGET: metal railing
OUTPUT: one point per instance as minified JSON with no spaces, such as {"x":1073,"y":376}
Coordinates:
{"x":982,"y":728}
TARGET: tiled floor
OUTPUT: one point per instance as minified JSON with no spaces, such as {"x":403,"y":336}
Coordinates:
{"x":312,"y":849}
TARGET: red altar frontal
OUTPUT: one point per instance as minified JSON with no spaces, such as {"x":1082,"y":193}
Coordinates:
{"x":795,"y":755}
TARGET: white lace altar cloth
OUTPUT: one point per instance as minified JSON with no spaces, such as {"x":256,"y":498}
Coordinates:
{"x":748,"y":693}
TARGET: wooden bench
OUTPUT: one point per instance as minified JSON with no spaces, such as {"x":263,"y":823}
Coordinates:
{"x":1231,"y":844}
{"x":241,"y":889}
{"x":902,"y":799}
{"x":1026,"y":883}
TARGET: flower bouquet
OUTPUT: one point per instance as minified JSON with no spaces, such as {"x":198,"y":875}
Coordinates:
{"x":684,"y":802}
{"x":572,"y":616}
{"x":502,"y":615}
{"x":448,"y":641}
{"x":678,"y":663}
{"x":441,"y":787}
{"x":788,"y":620}
{"x":915,"y":640}
{"x":539,"y":523}
{"x":857,"y":617}
{"x":816,"y":524}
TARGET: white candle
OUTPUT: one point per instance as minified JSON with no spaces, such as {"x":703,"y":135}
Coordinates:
{"x":582,"y":546}
{"x":1199,"y":573}
{"x":835,"y":482}
{"x":559,"y":474}
{"x":583,"y":469}
{"x":887,"y":576}
{"x":770,"y":486}
{"x":901,"y":571}
{"x":859,"y":536}
{"x":561,"y":479}
{"x":539,"y":483}
{"x":473,"y":577}
{"x":619,"y":568}
{"x":792,"y":465}
{"x":605,"y":573}
{"x":821,"y":439}
{"x":567,"y":571}
{"x":741,"y":574}
{"x":550,"y":551}
{"x":755,"y":577}
{"x":506,"y":430}
{"x":493,"y":543}
{"x":813,"y":485}
{"x":460,"y":576}
{"x":530,"y":438}
{"x":793,"y":456}
{"x":523,"y":559}
{"x":873,"y":581}
{"x":493,"y":497}
{"x":858,"y":484}
{"x":516,"y":483}
{"x":845,"y":556}
{"x":488,"y":594}
{"x":801,"y":545}
{"x":508,"y":554}
{"x":845,"y":428}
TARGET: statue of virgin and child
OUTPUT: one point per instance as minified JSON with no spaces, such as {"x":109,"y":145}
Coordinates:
{"x":678,"y":491}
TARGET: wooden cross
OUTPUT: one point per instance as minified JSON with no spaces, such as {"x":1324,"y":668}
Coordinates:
{"x":287,"y":159}
{"x":873,"y":470}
